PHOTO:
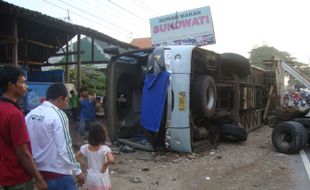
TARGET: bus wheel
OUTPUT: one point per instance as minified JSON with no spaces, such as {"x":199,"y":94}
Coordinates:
{"x":289,"y":137}
{"x":204,"y":96}
{"x":232,"y":63}
{"x":233,"y":133}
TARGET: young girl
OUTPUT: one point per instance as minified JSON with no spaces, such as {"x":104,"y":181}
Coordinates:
{"x":99,"y":157}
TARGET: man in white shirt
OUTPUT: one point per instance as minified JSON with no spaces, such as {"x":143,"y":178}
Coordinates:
{"x":48,"y":128}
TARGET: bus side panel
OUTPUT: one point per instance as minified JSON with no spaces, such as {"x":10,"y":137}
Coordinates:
{"x":180,"y":128}
{"x":180,"y":139}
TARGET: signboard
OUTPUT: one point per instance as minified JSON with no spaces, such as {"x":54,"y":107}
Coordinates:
{"x":191,"y":27}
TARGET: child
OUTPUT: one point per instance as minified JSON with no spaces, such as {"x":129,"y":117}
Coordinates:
{"x":99,"y":157}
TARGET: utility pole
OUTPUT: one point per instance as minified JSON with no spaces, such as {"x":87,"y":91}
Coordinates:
{"x":67,"y":50}
{"x":71,"y":45}
{"x":68,"y":15}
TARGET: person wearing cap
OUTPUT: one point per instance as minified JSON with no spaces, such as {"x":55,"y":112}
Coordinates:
{"x":48,"y":128}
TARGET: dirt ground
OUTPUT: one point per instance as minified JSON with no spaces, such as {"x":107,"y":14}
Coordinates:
{"x":253,"y":164}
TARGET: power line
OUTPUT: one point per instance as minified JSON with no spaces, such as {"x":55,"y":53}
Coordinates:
{"x":113,"y":13}
{"x":88,"y":19}
{"x":91,"y":20}
{"x":122,"y":13}
{"x":127,"y":11}
{"x":92,"y":15}
{"x":149,"y":7}
{"x":113,"y":8}
{"x":116,"y":10}
{"x":143,"y":5}
{"x":85,"y":12}
{"x":88,"y":3}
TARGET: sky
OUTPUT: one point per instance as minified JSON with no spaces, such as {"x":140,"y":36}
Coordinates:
{"x":239,"y":25}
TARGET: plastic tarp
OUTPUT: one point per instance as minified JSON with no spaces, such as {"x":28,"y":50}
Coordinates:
{"x":153,"y":100}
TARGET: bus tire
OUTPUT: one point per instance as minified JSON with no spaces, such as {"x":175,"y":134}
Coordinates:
{"x":289,"y":137}
{"x":204,"y":96}
{"x":232,"y":133}
{"x":232,"y":63}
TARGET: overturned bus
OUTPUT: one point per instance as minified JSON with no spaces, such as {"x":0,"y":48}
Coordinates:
{"x":183,"y":98}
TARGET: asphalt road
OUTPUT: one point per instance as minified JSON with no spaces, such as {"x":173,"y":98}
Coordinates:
{"x":301,"y":168}
{"x":301,"y":161}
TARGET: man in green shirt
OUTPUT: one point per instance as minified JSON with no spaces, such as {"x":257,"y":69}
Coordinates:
{"x":74,"y":105}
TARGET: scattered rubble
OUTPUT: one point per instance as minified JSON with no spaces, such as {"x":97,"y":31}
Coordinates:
{"x":251,"y":165}
{"x":136,"y":180}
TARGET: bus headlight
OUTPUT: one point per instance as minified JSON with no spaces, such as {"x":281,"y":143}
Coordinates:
{"x":168,"y":59}
{"x":168,"y":138}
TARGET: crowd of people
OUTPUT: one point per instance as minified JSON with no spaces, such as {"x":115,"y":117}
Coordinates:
{"x":297,"y":98}
{"x":37,"y":148}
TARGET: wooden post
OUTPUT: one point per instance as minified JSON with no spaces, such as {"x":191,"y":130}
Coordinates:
{"x":67,"y":60}
{"x":78,"y":63}
{"x":280,"y":88}
{"x":25,"y":53}
{"x":268,"y":102}
{"x":15,"y":41}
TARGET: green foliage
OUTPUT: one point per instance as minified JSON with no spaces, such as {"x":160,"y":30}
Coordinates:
{"x":92,"y":78}
{"x":259,"y":54}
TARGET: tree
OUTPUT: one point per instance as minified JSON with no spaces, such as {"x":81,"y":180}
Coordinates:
{"x":259,"y":54}
{"x":91,"y":77}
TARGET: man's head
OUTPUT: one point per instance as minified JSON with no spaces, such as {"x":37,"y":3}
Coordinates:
{"x":72,"y":92}
{"x":84,"y":92}
{"x":58,"y":95}
{"x":12,"y":81}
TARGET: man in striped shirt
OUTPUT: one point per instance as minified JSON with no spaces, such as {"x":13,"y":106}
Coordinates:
{"x":48,"y":128}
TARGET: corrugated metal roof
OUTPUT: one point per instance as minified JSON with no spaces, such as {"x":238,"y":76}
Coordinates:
{"x":33,"y":25}
{"x":8,"y":8}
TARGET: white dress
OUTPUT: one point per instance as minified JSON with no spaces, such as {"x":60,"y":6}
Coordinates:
{"x":95,"y":159}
